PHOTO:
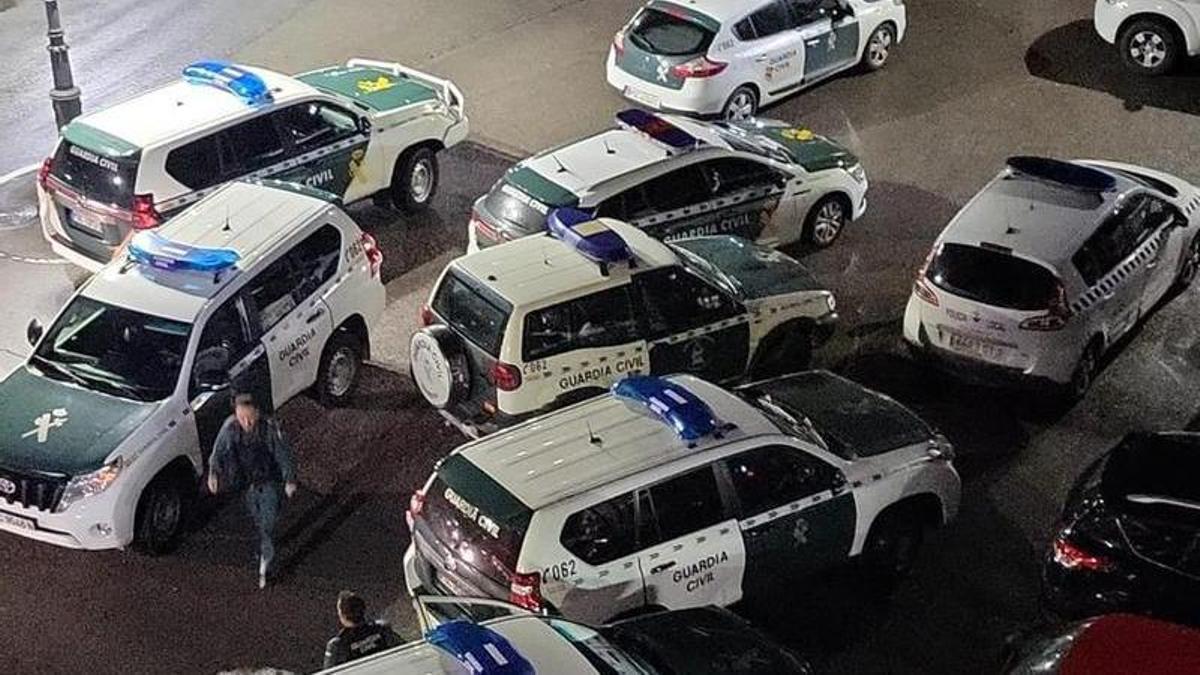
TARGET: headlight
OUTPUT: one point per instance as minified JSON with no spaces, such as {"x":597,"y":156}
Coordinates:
{"x":858,"y":173}
{"x":90,"y":484}
{"x":831,"y":302}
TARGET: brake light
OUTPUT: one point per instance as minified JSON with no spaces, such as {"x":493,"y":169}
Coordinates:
{"x":700,"y":66}
{"x":920,"y":288}
{"x":1055,"y":317}
{"x":505,"y":376}
{"x":619,"y":43}
{"x":374,"y":255}
{"x":525,"y":590}
{"x":145,"y":216}
{"x":426,"y":315}
{"x":1073,"y":557}
{"x":416,"y":504}
{"x":44,"y":171}
{"x":484,"y":229}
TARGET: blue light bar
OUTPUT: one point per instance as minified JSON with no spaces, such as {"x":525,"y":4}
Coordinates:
{"x":1067,"y":174}
{"x":481,"y":650}
{"x":657,"y":128}
{"x":580,"y":230}
{"x":690,"y":417}
{"x":155,"y":250}
{"x":233,"y":79}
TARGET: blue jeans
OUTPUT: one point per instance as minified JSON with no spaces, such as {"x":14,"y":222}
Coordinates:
{"x":263,"y":501}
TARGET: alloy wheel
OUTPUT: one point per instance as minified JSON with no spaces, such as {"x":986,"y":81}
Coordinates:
{"x":829,"y":222}
{"x":1148,"y":49}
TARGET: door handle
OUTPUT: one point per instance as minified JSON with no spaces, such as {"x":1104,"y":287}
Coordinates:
{"x":315,"y":315}
{"x":761,"y":58}
{"x":813,"y":43}
{"x":662,"y":568}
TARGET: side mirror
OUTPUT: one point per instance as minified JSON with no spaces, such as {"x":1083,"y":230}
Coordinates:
{"x":33,"y":332}
{"x":364,"y":125}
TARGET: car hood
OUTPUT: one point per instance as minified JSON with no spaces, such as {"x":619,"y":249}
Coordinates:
{"x":759,"y":271}
{"x":79,"y":428}
{"x":811,"y":151}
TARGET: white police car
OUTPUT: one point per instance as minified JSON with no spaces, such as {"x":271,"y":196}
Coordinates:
{"x":674,"y":493}
{"x":1048,"y":267}
{"x":673,"y":177}
{"x":362,"y":129}
{"x":730,"y":57}
{"x":1153,"y":36}
{"x":540,"y":322}
{"x":107,"y":425}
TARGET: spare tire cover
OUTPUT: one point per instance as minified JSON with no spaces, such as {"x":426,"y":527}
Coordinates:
{"x":440,"y":367}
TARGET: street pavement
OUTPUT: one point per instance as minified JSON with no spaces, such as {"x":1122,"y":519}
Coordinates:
{"x":973,"y":83}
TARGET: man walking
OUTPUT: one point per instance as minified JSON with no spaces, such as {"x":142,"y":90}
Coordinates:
{"x":357,"y":638}
{"x":251,"y":454}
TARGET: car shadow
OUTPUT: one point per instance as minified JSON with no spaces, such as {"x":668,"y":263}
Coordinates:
{"x":1074,"y":54}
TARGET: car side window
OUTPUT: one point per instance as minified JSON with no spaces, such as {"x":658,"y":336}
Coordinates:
{"x":674,"y":190}
{"x":730,"y":175}
{"x":196,"y":164}
{"x":603,"y":319}
{"x":317,"y":258}
{"x":744,"y":30}
{"x":270,"y":293}
{"x":222,"y":343}
{"x":771,"y":476}
{"x":314,"y":124}
{"x":772,"y":19}
{"x":604,"y":532}
{"x":1115,"y":240}
{"x":686,"y":504}
{"x":675,"y":301}
{"x":251,"y":145}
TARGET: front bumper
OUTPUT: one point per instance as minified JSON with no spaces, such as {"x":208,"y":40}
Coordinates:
{"x":704,"y":96}
{"x":93,"y":524}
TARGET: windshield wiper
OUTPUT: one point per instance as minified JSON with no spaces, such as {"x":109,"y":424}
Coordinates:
{"x":801,"y":423}
{"x":116,"y":382}
{"x":62,"y":369}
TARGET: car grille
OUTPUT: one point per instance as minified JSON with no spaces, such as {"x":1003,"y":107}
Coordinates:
{"x":41,"y":491}
{"x":1172,"y":545}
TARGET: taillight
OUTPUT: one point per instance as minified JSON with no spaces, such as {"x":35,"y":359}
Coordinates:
{"x":374,"y":255}
{"x":426,"y":315}
{"x":505,"y":376}
{"x":920,"y":287}
{"x":416,"y":504}
{"x":1056,"y":316}
{"x":44,"y":171}
{"x":1073,"y":557}
{"x":484,"y":229}
{"x":145,"y":216}
{"x":526,"y":591}
{"x":698,"y":67}
{"x":619,"y":43}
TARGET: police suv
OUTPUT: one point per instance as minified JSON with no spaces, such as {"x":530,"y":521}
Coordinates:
{"x":673,"y":177}
{"x":544,"y":321}
{"x":674,"y":493}
{"x":108,"y":423}
{"x":362,"y":129}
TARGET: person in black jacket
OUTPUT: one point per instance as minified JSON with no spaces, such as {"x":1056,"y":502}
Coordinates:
{"x":251,"y":454}
{"x":357,"y":638}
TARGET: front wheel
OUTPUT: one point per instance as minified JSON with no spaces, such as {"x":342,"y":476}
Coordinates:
{"x":892,"y":546}
{"x":1191,"y":264}
{"x":879,"y":47}
{"x":415,"y":180}
{"x":826,"y":220}
{"x":160,"y":515}
{"x":784,"y":351}
{"x":1083,"y":375}
{"x":338,"y":372}
{"x":1149,"y":47}
{"x":742,"y":104}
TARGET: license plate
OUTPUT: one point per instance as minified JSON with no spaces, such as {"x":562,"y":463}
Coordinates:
{"x":17,"y":521}
{"x":87,"y":221}
{"x":974,"y":346}
{"x":641,"y":97}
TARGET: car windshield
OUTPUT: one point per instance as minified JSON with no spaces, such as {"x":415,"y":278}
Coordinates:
{"x":603,"y":655}
{"x":114,"y":350}
{"x":744,"y":141}
{"x":709,"y":272}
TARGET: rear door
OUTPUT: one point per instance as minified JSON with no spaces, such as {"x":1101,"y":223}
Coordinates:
{"x":660,"y":37}
{"x":225,"y":352}
{"x":778,"y":50}
{"x":326,"y":140}
{"x":1114,"y":264}
{"x":480,"y":317}
{"x":830,"y":35}
{"x":665,"y":207}
{"x":604,"y":577}
{"x":1164,"y":226}
{"x":91,"y":193}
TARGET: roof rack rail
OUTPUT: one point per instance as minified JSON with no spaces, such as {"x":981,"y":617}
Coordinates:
{"x":690,"y":417}
{"x":590,"y":237}
{"x":231,"y":78}
{"x":1059,"y":172}
{"x":659,"y":129}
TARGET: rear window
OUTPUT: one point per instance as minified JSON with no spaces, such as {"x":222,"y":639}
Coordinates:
{"x":98,"y":177}
{"x":510,"y":204}
{"x":660,"y":33}
{"x":467,"y":507}
{"x":992,"y":277}
{"x":473,"y":311}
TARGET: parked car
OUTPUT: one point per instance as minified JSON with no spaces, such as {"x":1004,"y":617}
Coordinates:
{"x":1153,"y":36}
{"x":671,"y":493}
{"x":1129,"y":536}
{"x":362,"y":129}
{"x":1044,"y":270}
{"x":726,"y":58}
{"x":1114,"y":644}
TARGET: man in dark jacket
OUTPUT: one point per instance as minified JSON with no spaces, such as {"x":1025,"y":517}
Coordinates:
{"x":357,"y":638}
{"x":251,"y":454}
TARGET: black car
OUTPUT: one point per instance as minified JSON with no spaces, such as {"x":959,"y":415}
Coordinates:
{"x":1129,"y":537}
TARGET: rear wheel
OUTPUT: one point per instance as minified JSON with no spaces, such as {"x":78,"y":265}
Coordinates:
{"x":1084,"y":373}
{"x":160,"y":515}
{"x":742,"y":104}
{"x":415,"y":180}
{"x":879,"y":47}
{"x":785,"y":350}
{"x":826,"y":220}
{"x":340,"y":364}
{"x":1191,"y":264}
{"x":892,"y":546}
{"x":1149,"y":47}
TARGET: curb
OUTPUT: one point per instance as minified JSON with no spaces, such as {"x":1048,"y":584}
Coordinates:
{"x":17,"y":173}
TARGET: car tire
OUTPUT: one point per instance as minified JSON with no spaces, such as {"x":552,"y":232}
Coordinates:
{"x":1083,"y":375}
{"x":1191,"y":265}
{"x":826,"y":220}
{"x":892,"y":546}
{"x":879,"y":47}
{"x":415,"y":180}
{"x":439,"y":366}
{"x":161,"y":514}
{"x":1149,"y":47}
{"x":338,"y":374}
{"x":787,"y":349}
{"x":742,"y":104}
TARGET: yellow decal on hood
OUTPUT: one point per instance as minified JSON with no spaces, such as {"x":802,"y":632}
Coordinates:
{"x":372,"y":86}
{"x":797,"y":134}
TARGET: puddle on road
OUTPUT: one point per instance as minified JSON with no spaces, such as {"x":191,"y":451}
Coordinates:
{"x":19,"y":218}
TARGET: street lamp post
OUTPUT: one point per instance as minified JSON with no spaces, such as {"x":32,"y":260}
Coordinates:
{"x":64,"y":95}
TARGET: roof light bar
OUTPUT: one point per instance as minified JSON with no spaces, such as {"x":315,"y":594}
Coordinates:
{"x":657,"y":128}
{"x":481,"y":650}
{"x":690,"y":417}
{"x":590,"y":237}
{"x":155,"y":250}
{"x":233,"y":79}
{"x":1067,"y":174}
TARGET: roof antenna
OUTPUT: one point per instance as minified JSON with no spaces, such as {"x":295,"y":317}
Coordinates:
{"x":592,"y":437}
{"x":561,"y":167}
{"x":608,"y":148}
{"x":226,"y":228}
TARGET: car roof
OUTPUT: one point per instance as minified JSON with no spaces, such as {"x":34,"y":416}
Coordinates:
{"x":181,"y":107}
{"x":539,"y":267}
{"x":1037,"y":217}
{"x":555,"y":457}
{"x":247,"y":218}
{"x":721,"y":10}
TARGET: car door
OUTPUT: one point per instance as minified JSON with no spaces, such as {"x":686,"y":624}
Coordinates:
{"x":667,"y":206}
{"x":1164,"y":228}
{"x":252,"y":148}
{"x":326,"y":142}
{"x":746,"y":197}
{"x":830,"y":33}
{"x":794,"y":512}
{"x":226,"y":359}
{"x":693,"y":554}
{"x":604,"y":579}
{"x":778,"y":50}
{"x":691,"y":325}
{"x":1112,"y":262}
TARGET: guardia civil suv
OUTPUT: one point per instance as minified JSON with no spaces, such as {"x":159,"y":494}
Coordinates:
{"x":764,"y":180}
{"x":366,"y":128}
{"x":671,"y":493}
{"x":108,"y":424}
{"x":548,"y":320}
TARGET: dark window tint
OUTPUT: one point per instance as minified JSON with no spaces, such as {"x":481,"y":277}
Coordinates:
{"x":993,"y":277}
{"x":1119,"y":236}
{"x":765,"y":478}
{"x":222,"y":344}
{"x":626,"y":205}
{"x":675,"y":301}
{"x":196,"y":164}
{"x":478,"y":314}
{"x":101,"y":178}
{"x":506,"y":202}
{"x":674,"y":190}
{"x":603,"y":532}
{"x":687,"y":503}
{"x":308,"y":126}
{"x":317,"y":258}
{"x":251,"y":145}
{"x":772,"y":19}
{"x":660,"y":33}
{"x":727,"y":176}
{"x":602,"y":319}
{"x":270,"y":293}
{"x":744,"y":30}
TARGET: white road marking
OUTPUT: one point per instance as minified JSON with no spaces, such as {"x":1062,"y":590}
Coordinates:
{"x":17,"y":173}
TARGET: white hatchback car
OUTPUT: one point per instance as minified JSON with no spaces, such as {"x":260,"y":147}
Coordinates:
{"x":729,"y":57}
{"x":1153,"y":35}
{"x":1048,"y":266}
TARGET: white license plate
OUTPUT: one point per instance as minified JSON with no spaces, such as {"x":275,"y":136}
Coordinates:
{"x":641,"y":97}
{"x":16,"y":521}
{"x":966,"y":344}
{"x":88,"y":221}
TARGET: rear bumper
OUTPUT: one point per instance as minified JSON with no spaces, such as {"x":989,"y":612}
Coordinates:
{"x":60,"y":241}
{"x":697,"y":96}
